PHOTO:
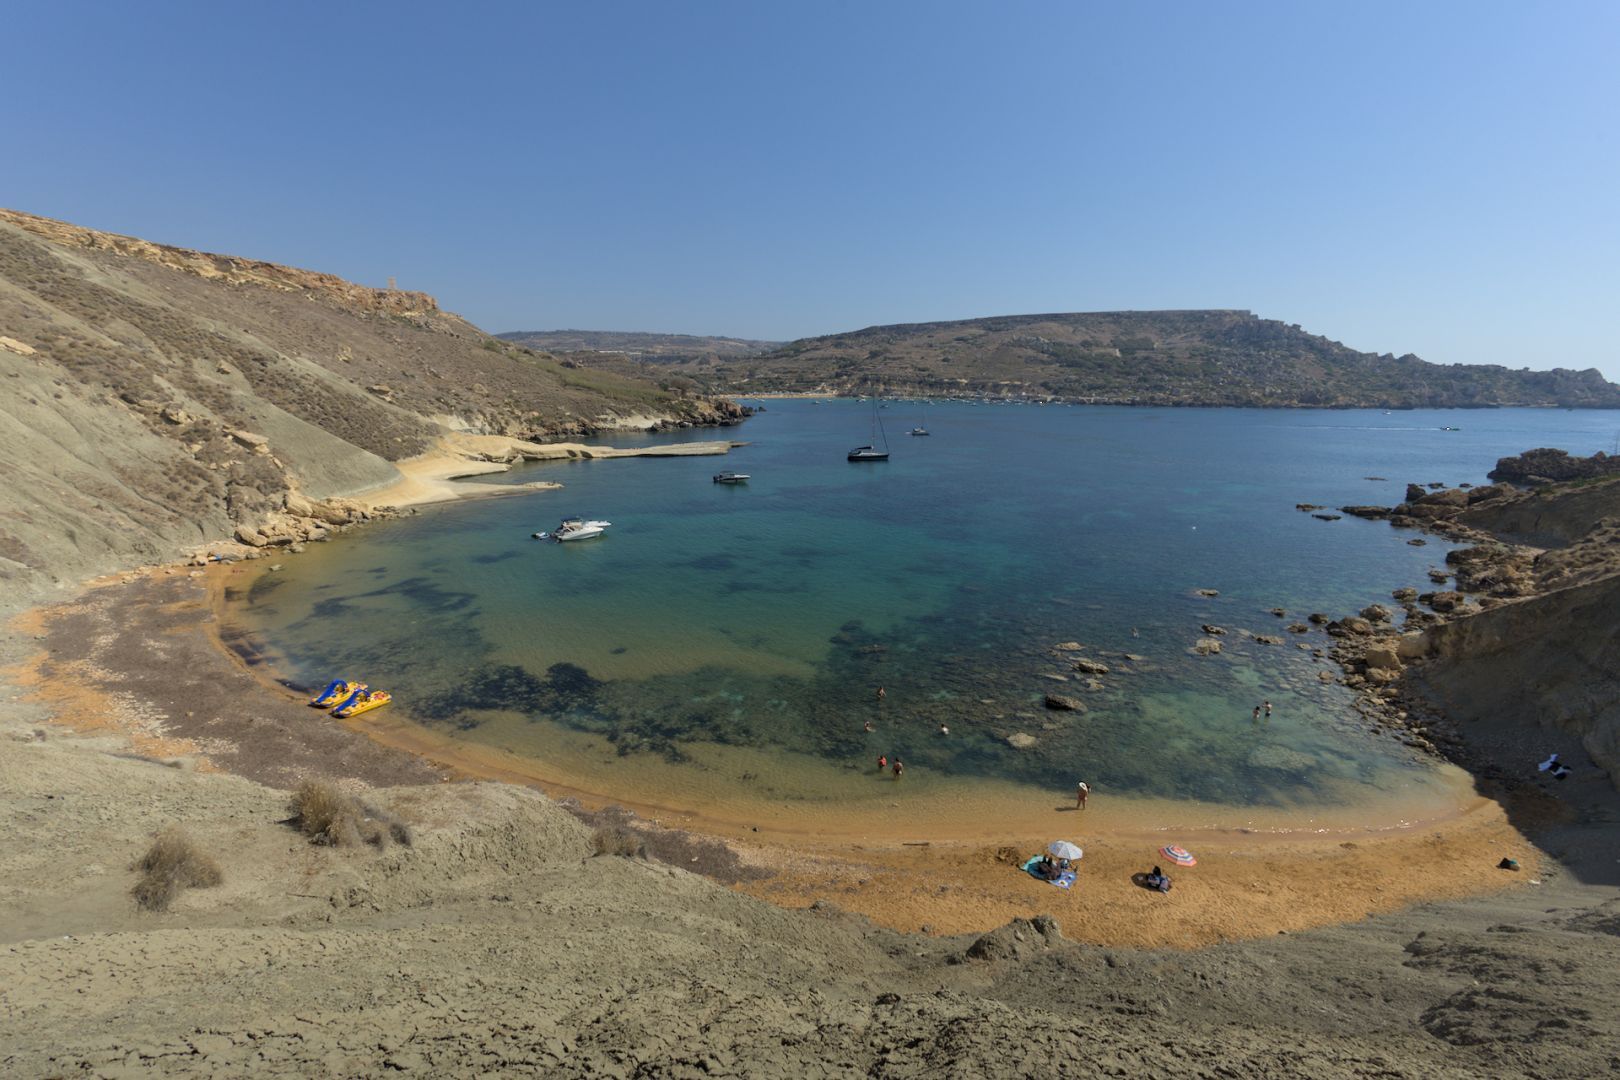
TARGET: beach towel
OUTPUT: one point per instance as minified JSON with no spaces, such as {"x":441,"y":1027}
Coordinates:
{"x":1063,"y":881}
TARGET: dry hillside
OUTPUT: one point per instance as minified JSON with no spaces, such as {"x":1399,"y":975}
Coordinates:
{"x":153,"y":397}
{"x":1216,"y":357}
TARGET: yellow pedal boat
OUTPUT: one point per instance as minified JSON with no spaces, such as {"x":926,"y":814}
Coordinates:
{"x":362,"y":701}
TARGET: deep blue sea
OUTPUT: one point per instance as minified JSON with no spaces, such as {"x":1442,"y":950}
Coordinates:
{"x":766,"y":615}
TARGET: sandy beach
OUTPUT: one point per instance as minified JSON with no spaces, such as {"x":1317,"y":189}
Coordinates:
{"x":432,"y":477}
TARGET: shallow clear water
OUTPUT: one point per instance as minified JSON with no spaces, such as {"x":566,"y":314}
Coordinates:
{"x":766,"y":615}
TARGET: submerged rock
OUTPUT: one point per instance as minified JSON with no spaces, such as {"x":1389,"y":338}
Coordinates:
{"x":1206,"y":646}
{"x":1018,"y":740}
{"x":1060,"y":702}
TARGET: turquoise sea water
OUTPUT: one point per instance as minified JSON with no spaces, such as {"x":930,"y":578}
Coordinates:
{"x":766,"y":615}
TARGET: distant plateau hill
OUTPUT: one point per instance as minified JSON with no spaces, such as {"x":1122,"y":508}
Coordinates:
{"x":1215,"y":357}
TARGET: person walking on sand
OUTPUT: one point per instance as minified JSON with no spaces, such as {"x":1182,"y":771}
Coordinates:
{"x":1082,"y":791}
{"x":899,"y":767}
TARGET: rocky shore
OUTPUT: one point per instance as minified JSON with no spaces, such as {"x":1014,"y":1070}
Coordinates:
{"x":1538,"y":579}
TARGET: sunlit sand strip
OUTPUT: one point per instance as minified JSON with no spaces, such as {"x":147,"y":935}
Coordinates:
{"x":431,"y":477}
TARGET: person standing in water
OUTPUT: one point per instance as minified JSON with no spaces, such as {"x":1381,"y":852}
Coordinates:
{"x":881,"y":694}
{"x":883,"y":762}
{"x":1268,"y":708}
{"x":899,"y":767}
{"x":1257,"y":714}
{"x":867,"y":726}
{"x":1082,"y":791}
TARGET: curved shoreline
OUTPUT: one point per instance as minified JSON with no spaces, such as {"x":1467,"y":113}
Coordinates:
{"x":937,"y":858}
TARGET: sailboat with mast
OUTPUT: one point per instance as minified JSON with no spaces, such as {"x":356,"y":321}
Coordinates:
{"x":919,"y":429}
{"x":870,"y":451}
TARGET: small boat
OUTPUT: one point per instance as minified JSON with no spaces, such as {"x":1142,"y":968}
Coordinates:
{"x":1451,"y":429}
{"x":362,"y":701}
{"x":336,"y":690}
{"x":574,"y":529}
{"x":730,"y":477}
{"x":870,"y":452}
{"x":918,"y":430}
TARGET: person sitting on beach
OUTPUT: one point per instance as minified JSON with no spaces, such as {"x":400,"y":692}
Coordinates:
{"x":1047,"y":869}
{"x":1157,"y":880}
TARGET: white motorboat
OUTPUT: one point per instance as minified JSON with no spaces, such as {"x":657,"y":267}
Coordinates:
{"x":731,"y":478}
{"x":574,"y":529}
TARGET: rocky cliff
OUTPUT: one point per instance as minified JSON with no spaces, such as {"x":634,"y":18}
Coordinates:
{"x":1548,"y":661}
{"x":1527,"y":638}
{"x":153,"y":397}
{"x":1548,"y":465}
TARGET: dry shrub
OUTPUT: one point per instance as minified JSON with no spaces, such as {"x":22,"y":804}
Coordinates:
{"x":617,"y":840}
{"x":171,"y":864}
{"x":328,"y":815}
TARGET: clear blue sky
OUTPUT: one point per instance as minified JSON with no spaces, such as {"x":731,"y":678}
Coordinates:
{"x":1440,"y":178}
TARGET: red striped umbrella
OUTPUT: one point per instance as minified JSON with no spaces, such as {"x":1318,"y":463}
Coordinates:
{"x":1178,"y":855}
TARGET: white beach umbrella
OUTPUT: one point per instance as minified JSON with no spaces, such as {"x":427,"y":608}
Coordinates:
{"x":1064,"y":850}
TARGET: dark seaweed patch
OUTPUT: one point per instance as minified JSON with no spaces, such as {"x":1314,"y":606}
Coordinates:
{"x":267,"y":584}
{"x":428,"y":595}
{"x":566,"y":687}
{"x":486,"y":560}
{"x":330,"y":608}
